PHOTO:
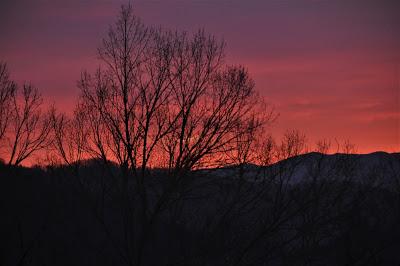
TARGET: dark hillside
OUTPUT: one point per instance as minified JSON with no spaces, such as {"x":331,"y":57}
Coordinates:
{"x":309,"y":210}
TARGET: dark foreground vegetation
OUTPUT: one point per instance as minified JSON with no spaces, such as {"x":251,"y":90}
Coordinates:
{"x":312,"y":209}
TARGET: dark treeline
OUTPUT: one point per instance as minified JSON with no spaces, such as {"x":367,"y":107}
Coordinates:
{"x":339,"y":213}
{"x":165,"y":161}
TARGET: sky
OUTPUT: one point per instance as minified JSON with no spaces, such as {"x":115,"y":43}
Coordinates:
{"x":331,"y":69}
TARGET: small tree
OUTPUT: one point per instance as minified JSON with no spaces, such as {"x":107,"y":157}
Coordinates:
{"x":70,"y":136}
{"x":28,"y":128}
{"x":7,"y":91}
{"x":292,"y":144}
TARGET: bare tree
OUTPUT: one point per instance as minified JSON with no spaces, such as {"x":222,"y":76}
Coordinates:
{"x":266,"y":151}
{"x":293,"y":144}
{"x":29,"y":126}
{"x":70,"y":136}
{"x":7,"y":91}
{"x":162,"y":94}
{"x":323,"y":146}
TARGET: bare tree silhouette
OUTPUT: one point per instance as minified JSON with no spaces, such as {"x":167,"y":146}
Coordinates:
{"x":69,"y":136}
{"x":160,"y":99}
{"x":24,"y":127}
{"x":29,"y":126}
{"x":7,"y":91}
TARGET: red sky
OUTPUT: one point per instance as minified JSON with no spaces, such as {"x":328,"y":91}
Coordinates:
{"x":330,"y":68}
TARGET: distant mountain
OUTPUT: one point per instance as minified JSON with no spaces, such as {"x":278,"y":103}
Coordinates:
{"x":381,"y":168}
